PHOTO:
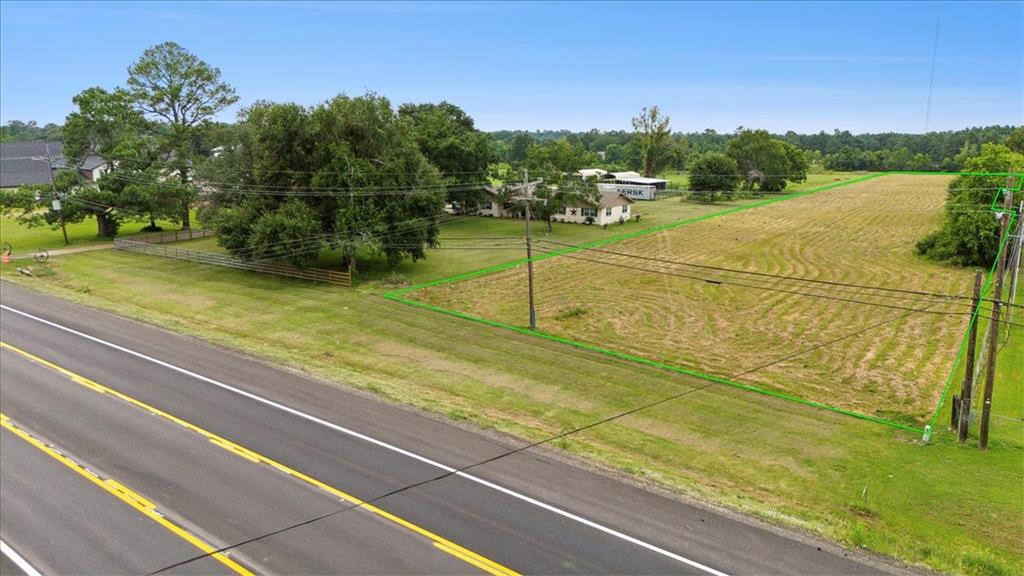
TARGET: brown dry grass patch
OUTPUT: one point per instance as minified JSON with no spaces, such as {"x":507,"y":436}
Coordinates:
{"x":863,"y":233}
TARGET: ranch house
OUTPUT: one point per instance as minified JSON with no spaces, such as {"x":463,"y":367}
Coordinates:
{"x":611,"y":208}
{"x":492,"y":204}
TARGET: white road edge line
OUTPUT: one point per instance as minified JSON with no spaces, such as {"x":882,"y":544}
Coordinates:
{"x":382,"y":444}
{"x":18,"y":560}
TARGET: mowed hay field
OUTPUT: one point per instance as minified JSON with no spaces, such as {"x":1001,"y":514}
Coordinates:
{"x":886,"y":355}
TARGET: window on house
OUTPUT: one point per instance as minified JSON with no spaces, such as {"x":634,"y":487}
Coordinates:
{"x":487,"y":206}
{"x":608,"y":211}
{"x":591,"y":212}
{"x":625,"y":208}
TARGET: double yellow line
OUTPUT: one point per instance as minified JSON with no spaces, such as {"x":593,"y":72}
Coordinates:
{"x":440,"y":542}
{"x":126,"y":495}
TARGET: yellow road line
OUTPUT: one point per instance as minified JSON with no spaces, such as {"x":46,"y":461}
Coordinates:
{"x":125,"y":494}
{"x":440,"y":542}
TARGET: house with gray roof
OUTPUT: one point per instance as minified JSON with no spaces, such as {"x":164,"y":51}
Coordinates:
{"x":25,"y":163}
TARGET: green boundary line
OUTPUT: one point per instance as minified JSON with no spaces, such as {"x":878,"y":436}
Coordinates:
{"x":984,"y":290}
{"x":621,"y":237}
{"x":398,"y":296}
{"x":974,"y":318}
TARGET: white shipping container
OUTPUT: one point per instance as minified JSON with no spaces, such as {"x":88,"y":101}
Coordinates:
{"x":632,"y":191}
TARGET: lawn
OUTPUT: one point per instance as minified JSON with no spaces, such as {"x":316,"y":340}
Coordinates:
{"x":27,"y":240}
{"x":893,"y":352}
{"x":948,"y":507}
{"x":470,"y":242}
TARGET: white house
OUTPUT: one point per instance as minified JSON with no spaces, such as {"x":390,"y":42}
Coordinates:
{"x":611,"y":208}
{"x":493,"y":206}
{"x":93,"y":167}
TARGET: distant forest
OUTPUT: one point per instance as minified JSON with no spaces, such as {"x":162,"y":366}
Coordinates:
{"x":18,"y":131}
{"x":838,"y":150}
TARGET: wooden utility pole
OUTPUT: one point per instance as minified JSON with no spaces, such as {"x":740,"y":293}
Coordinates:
{"x":529,"y":247}
{"x":968,"y":386}
{"x":993,"y":329}
{"x":56,"y":202}
{"x":1015,"y":263}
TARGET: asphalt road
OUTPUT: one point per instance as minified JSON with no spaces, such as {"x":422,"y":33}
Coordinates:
{"x":232,"y":450}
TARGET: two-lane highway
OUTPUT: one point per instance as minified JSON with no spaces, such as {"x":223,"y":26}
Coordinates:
{"x":235,"y":451}
{"x":228,"y":493}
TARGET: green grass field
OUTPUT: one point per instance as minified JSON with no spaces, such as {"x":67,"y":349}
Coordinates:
{"x":948,"y":507}
{"x":27,"y":240}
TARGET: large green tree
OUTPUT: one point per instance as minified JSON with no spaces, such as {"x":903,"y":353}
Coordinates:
{"x":766,"y":161}
{"x":347,"y":174}
{"x":969,"y":235}
{"x":448,"y":138}
{"x":33,"y":206}
{"x":136,"y":185}
{"x":714,"y":173}
{"x":174,"y":86}
{"x":520,"y":147}
{"x":654,"y":137}
{"x":1015,"y":140}
{"x":558,"y":157}
{"x":18,"y":131}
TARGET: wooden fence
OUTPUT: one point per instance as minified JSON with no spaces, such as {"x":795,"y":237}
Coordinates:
{"x":173,"y":236}
{"x":152,"y":244}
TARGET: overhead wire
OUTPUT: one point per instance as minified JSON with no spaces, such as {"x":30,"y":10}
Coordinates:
{"x":524,"y":448}
{"x":738,"y":271}
{"x":753,"y":286}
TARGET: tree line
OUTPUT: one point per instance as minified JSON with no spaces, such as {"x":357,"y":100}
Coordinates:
{"x":18,"y":131}
{"x":361,"y":175}
{"x":838,"y":150}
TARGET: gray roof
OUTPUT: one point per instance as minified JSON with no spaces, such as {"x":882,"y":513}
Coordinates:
{"x":92,"y":162}
{"x":24,"y":163}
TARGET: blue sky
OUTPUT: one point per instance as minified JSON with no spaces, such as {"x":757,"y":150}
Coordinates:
{"x":806,"y":66}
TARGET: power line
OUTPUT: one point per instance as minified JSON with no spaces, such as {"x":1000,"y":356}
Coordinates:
{"x":740,"y":284}
{"x":529,"y":446}
{"x":762,"y":274}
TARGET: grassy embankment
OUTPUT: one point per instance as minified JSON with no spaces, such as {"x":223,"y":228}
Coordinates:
{"x":949,"y":507}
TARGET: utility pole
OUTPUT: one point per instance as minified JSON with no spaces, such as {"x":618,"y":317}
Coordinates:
{"x":968,"y":386}
{"x":1015,"y":262}
{"x":993,"y":329}
{"x":529,"y":247}
{"x":55,"y":202}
